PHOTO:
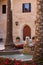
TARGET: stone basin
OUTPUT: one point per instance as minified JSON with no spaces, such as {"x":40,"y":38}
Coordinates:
{"x":23,"y":57}
{"x":15,"y":54}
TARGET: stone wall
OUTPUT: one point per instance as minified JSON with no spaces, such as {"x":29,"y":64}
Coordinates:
{"x":3,"y":20}
{"x":23,"y":18}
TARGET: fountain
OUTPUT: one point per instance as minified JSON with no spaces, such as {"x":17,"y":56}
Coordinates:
{"x":27,"y":48}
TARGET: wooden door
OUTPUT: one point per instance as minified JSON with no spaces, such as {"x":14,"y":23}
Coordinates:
{"x":26,"y":32}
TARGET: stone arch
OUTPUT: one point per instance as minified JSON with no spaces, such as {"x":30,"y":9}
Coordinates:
{"x":26,"y":31}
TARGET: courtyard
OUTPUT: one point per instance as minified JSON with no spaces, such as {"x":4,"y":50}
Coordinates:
{"x":25,"y":18}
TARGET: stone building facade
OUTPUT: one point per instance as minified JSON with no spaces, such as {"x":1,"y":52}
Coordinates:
{"x":23,"y":22}
{"x":3,"y":20}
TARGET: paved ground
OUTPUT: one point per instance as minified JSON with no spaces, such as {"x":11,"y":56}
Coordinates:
{"x":2,"y":45}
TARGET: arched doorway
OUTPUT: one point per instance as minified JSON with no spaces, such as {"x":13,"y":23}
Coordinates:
{"x":26,"y":31}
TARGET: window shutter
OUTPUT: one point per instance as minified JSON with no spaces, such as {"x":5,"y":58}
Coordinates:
{"x":23,"y":7}
{"x":29,"y":7}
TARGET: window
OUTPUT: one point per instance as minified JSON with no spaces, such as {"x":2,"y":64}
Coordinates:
{"x":3,"y":9}
{"x":27,"y":7}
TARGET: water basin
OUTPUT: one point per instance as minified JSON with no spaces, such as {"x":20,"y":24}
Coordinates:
{"x":18,"y":56}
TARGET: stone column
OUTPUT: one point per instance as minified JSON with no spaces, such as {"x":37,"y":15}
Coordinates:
{"x":38,"y":51}
{"x":9,"y":39}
